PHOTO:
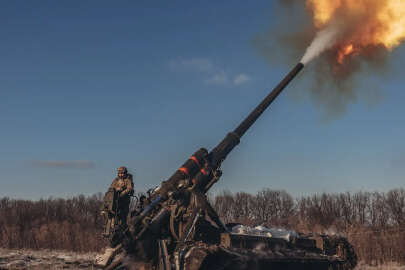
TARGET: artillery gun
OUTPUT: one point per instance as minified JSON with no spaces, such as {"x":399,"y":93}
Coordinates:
{"x":178,"y":228}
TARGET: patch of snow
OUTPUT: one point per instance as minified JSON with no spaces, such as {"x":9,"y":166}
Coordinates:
{"x":263,"y":231}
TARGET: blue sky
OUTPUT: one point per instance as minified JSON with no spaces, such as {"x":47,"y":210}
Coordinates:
{"x":88,"y":86}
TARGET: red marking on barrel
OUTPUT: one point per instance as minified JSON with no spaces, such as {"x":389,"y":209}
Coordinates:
{"x":184,"y":170}
{"x":193,"y":158}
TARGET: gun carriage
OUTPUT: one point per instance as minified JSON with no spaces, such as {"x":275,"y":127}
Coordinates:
{"x":177,"y":228}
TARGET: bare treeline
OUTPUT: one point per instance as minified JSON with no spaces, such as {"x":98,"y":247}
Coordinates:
{"x":70,"y":224}
{"x":373,"y":221}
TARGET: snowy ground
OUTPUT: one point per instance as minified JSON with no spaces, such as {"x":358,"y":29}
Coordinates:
{"x":45,"y":260}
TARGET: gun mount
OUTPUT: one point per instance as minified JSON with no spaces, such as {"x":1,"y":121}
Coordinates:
{"x":178,"y":228}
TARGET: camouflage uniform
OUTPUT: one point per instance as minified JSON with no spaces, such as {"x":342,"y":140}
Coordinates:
{"x":125,"y":186}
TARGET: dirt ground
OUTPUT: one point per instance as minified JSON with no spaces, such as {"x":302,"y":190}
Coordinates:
{"x":392,"y":266}
{"x":45,"y":260}
{"x":58,"y":260}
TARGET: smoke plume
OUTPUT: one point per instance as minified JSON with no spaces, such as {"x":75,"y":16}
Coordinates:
{"x":324,"y":39}
{"x":348,"y":42}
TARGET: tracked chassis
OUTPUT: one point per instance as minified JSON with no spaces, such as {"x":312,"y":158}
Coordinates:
{"x":244,"y":252}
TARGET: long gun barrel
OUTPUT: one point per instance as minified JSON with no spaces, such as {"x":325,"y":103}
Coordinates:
{"x":196,"y":166}
{"x":220,"y":152}
{"x":193,"y":168}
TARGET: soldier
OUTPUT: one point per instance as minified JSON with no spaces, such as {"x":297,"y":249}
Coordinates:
{"x":123,"y":184}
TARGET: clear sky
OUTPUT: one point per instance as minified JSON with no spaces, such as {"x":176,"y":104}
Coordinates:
{"x":88,"y":86}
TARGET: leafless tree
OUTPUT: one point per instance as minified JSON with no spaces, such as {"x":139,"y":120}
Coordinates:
{"x":396,"y":205}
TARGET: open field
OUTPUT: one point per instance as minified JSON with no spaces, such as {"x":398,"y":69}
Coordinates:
{"x":45,"y":260}
{"x":12,"y":259}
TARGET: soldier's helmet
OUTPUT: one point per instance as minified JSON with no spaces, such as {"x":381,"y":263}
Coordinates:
{"x":122,"y":170}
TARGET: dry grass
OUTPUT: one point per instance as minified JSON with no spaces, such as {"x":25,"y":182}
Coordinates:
{"x":19,"y":259}
{"x":390,"y":266}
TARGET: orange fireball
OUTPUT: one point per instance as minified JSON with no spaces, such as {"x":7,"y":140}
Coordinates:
{"x":370,"y":23}
{"x":345,"y":51}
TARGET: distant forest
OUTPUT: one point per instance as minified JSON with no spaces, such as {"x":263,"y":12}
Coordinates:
{"x":374,"y":222}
